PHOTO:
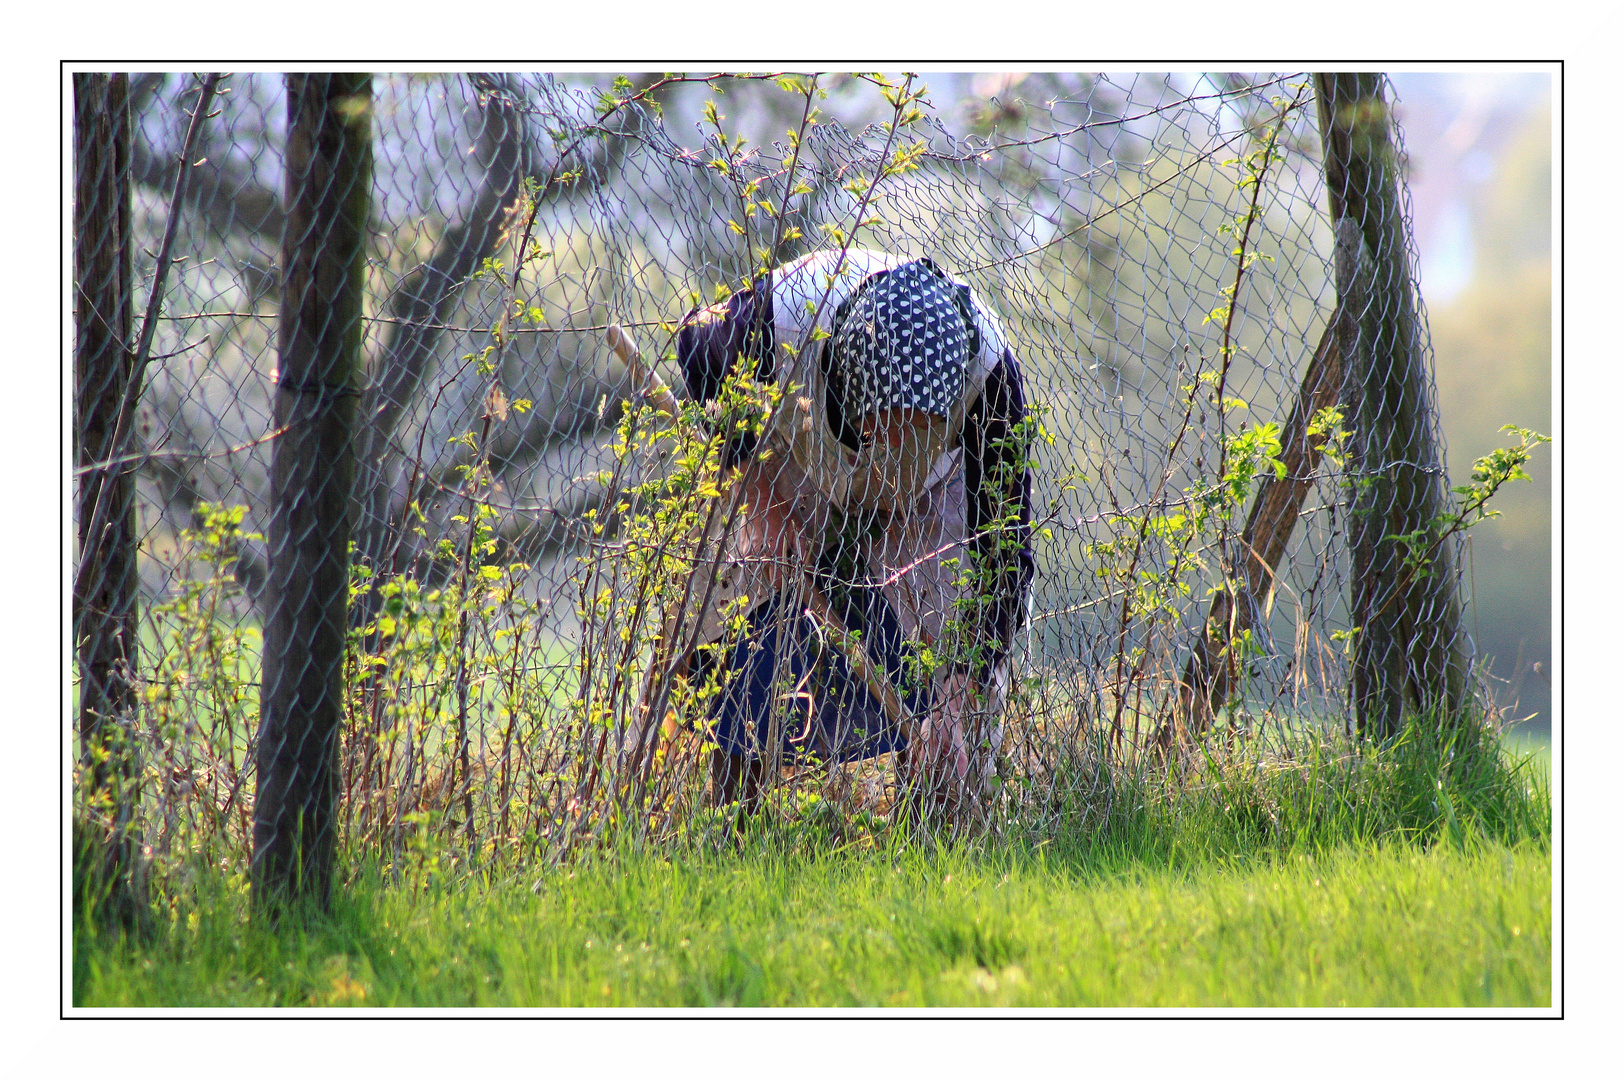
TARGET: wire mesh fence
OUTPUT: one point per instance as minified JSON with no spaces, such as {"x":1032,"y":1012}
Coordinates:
{"x":1178,"y":483}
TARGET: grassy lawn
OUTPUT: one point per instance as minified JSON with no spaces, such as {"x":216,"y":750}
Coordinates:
{"x":1386,"y":927}
{"x":1420,"y":877}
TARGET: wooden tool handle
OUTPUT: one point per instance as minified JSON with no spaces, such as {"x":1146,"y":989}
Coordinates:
{"x":856,"y":655}
{"x":649,"y":384}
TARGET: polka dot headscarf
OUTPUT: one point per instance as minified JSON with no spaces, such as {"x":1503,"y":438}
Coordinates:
{"x":899,"y":341}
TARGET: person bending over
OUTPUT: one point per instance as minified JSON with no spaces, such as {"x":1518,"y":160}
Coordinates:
{"x":888,"y":503}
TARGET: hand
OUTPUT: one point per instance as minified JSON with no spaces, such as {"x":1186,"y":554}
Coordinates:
{"x":941,"y":761}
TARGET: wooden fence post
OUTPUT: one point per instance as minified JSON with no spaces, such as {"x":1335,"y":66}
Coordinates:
{"x":329,"y":177}
{"x":104,"y":586}
{"x":1212,"y":673}
{"x":1409,"y":648}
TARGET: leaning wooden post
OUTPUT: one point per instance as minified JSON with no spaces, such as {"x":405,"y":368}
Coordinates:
{"x":329,"y":176}
{"x":104,"y":587}
{"x":1409,"y":648}
{"x":1212,"y":673}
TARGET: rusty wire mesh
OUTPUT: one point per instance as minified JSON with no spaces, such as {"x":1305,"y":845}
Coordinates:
{"x":1157,"y":249}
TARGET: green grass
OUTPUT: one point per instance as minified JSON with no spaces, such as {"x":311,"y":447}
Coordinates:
{"x":1420,"y":876}
{"x":1522,"y":742}
{"x":1387,"y":927}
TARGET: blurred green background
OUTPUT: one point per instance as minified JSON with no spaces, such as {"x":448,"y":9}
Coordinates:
{"x":1480,"y":149}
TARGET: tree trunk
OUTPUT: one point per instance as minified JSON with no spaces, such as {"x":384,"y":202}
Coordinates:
{"x":420,"y":306}
{"x":329,"y":176}
{"x":104,"y":589}
{"x":1409,"y":645}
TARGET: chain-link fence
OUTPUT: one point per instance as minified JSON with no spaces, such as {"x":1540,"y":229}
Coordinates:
{"x":1234,"y":479}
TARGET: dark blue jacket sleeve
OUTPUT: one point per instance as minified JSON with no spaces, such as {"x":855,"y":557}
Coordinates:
{"x":713,"y":339}
{"x":998,"y":490}
{"x":736,"y":334}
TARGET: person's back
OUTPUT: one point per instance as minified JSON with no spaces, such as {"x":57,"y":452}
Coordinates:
{"x":873,"y":487}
